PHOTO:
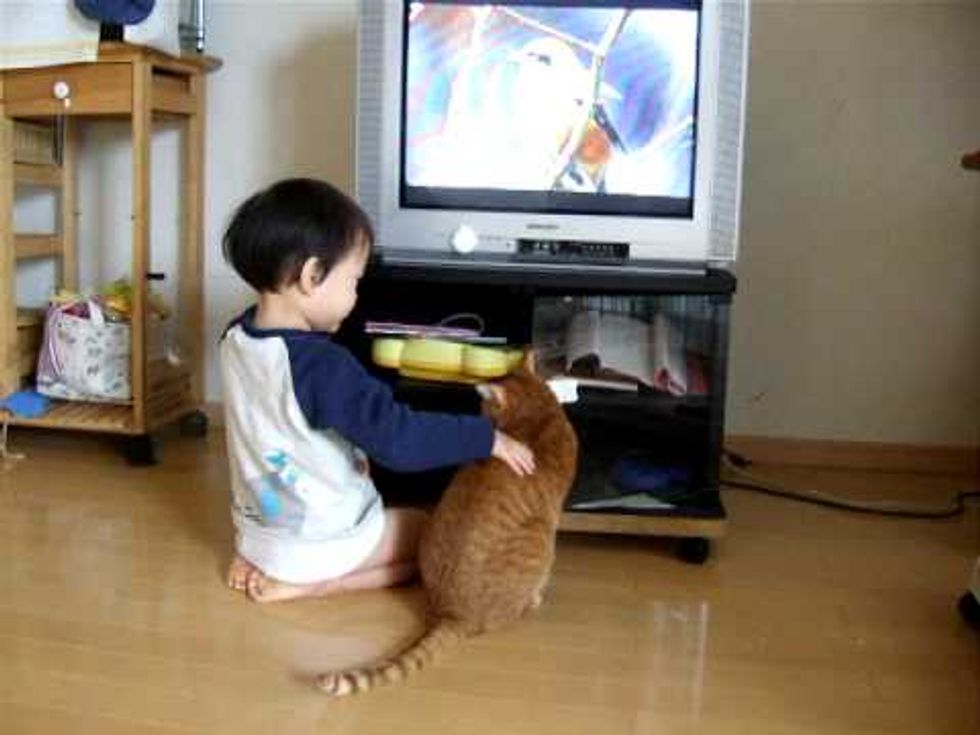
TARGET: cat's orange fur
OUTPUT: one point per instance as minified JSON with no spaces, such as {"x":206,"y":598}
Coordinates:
{"x":487,"y":553}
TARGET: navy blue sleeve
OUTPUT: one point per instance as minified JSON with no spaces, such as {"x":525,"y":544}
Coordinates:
{"x":334,"y":391}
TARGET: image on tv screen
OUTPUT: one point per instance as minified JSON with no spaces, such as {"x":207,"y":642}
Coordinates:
{"x":561,"y":105}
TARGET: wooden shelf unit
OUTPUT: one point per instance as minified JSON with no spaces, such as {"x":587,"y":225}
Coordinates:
{"x":38,"y":174}
{"x":27,"y":247}
{"x":108,"y":418}
{"x":141,"y":85}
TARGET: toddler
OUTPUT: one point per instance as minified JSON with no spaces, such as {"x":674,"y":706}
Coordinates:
{"x":303,"y":416}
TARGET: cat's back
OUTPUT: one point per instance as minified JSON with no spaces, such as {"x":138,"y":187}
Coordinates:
{"x":484,"y":543}
{"x":487,"y":500}
{"x":484,"y":501}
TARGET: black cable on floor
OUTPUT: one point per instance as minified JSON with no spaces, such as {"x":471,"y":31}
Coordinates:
{"x":956,"y":508}
{"x":738,"y":460}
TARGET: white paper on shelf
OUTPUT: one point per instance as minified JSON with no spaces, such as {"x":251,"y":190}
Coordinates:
{"x":669,"y":362}
{"x":565,"y":389}
{"x":582,"y":338}
{"x":621,"y":344}
{"x":633,"y":501}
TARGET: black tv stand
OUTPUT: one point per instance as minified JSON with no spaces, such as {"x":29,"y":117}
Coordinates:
{"x":680,"y":431}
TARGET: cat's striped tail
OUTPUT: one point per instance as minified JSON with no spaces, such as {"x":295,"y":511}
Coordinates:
{"x":419,"y":654}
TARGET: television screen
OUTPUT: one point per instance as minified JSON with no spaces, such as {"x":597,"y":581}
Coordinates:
{"x":552,"y":107}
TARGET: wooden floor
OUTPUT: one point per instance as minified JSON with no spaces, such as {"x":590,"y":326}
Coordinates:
{"x":114,"y":619}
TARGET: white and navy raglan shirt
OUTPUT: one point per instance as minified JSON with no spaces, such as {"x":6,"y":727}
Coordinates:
{"x":300,"y":414}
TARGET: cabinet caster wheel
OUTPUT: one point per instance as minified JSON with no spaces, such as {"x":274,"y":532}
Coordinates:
{"x":694,"y":550}
{"x":969,"y":608}
{"x":140,"y":450}
{"x":194,"y":424}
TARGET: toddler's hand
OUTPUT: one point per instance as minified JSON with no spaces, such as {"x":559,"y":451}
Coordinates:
{"x":516,"y":455}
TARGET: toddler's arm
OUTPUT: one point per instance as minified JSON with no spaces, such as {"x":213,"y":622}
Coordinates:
{"x":336,"y":392}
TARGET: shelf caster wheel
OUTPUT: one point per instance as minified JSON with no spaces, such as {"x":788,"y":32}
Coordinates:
{"x":694,"y":550}
{"x":969,"y":608}
{"x":194,"y":424}
{"x":140,"y":450}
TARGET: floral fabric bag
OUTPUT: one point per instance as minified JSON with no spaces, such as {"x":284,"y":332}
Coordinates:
{"x":84,"y":357}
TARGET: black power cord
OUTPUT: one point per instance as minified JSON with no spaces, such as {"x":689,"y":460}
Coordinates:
{"x":957,"y":504}
{"x":955,"y":508}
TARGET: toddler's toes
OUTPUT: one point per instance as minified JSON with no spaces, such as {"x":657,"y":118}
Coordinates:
{"x":261,"y":588}
{"x":238,"y":572}
{"x":255,"y":585}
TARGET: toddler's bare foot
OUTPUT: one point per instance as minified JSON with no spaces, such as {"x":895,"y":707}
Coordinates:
{"x":238,"y":572}
{"x":261,"y":588}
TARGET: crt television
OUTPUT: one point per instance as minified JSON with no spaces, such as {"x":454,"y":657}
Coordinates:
{"x":549,"y":133}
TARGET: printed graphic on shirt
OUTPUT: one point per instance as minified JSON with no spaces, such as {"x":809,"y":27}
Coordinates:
{"x":274,"y":495}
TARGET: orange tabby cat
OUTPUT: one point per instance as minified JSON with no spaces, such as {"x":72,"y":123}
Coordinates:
{"x":486,"y":555}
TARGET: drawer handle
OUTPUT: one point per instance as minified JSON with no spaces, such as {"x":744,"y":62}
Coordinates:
{"x":62,"y":91}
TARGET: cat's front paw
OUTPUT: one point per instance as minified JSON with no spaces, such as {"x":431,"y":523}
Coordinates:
{"x":537,"y":598}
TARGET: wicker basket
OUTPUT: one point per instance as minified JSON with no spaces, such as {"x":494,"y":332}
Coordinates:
{"x":34,"y":143}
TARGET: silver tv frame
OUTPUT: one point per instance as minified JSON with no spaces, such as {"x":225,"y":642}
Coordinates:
{"x":710,"y":236}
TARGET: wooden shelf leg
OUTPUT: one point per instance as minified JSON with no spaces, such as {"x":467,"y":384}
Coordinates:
{"x":69,"y":214}
{"x":9,"y":378}
{"x":142,"y":133}
{"x":191,"y":287}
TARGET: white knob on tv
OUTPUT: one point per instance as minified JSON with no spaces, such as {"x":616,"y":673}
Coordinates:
{"x":464,"y":239}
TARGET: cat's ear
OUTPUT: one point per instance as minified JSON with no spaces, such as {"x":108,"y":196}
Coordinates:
{"x":492,"y":392}
{"x":530,"y":363}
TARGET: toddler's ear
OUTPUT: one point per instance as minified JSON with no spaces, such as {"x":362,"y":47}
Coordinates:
{"x":310,"y":275}
{"x":492,"y":392}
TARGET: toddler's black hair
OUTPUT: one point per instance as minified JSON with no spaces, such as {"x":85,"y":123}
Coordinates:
{"x":274,"y":232}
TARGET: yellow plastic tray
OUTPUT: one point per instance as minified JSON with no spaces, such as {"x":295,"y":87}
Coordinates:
{"x":443,"y":360}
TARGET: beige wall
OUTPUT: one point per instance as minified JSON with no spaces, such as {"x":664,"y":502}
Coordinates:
{"x":858,"y":314}
{"x":282,"y":105}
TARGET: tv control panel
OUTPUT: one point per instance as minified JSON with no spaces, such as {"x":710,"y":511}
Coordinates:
{"x":572,"y":251}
